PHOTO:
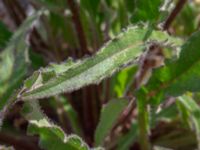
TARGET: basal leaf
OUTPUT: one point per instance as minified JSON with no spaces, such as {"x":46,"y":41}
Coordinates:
{"x":116,"y":54}
{"x":109,"y":115}
{"x":51,"y":136}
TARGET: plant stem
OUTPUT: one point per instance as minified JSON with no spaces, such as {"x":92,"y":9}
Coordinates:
{"x":79,"y":28}
{"x":143,"y":125}
{"x":173,"y":14}
{"x":142,"y":105}
{"x":143,"y":115}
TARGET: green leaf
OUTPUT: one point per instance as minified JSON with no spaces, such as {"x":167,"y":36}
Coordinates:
{"x":128,"y":139}
{"x":109,"y":115}
{"x":115,"y":55}
{"x":146,"y":10}
{"x":63,"y":26}
{"x":4,"y":36}
{"x":71,"y":114}
{"x":143,"y":118}
{"x":123,"y":80}
{"x":51,"y":136}
{"x":54,"y":5}
{"x":90,"y":5}
{"x":184,"y":114}
{"x":167,"y":114}
{"x":130,"y":5}
{"x":14,"y":62}
{"x":193,"y":108}
{"x":182,"y":75}
{"x":187,"y":19}
{"x":6,"y":148}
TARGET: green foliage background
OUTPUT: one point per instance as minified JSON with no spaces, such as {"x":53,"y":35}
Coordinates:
{"x":67,"y":74}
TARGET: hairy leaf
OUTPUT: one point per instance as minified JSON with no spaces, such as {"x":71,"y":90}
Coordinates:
{"x":119,"y":52}
{"x":51,"y":136}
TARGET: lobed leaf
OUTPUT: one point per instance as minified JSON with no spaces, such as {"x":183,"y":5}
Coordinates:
{"x":51,"y":136}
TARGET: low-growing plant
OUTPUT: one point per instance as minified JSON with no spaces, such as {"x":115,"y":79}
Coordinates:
{"x":100,"y":74}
